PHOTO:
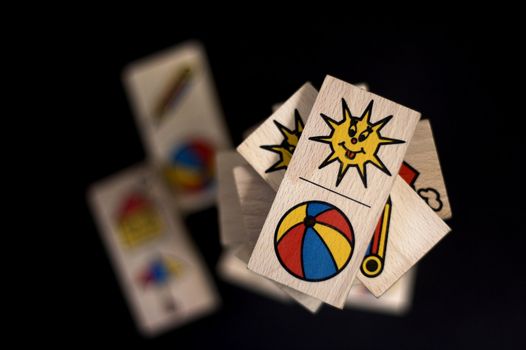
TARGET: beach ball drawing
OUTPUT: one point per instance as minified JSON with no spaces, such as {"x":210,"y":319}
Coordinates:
{"x":314,"y":241}
{"x":191,"y":166}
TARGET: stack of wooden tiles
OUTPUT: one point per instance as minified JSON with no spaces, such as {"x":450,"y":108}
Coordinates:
{"x":336,"y":191}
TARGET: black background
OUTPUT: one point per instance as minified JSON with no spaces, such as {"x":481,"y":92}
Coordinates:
{"x":470,"y":289}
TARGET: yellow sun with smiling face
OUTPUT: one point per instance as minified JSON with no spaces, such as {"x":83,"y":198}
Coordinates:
{"x":354,"y":142}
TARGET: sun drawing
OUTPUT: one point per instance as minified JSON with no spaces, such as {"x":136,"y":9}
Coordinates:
{"x":288,"y":145}
{"x":354,"y":142}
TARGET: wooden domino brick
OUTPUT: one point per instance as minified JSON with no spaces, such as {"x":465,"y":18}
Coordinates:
{"x":422,"y":155}
{"x":160,"y":270}
{"x":230,"y":231}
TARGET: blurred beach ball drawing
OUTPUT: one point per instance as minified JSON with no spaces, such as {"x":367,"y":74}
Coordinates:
{"x":191,"y":166}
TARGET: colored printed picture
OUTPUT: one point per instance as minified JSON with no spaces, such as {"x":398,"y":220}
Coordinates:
{"x":138,"y":220}
{"x":314,"y":241}
{"x":288,"y":145}
{"x":191,"y":167}
{"x":373,"y":262}
{"x":160,"y":271}
{"x":179,"y":84}
{"x":158,"y":274}
{"x":354,"y":142}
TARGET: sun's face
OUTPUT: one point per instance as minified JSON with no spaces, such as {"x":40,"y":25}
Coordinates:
{"x":354,"y":142}
{"x":288,"y":145}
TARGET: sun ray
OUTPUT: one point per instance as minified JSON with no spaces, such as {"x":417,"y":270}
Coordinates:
{"x":276,"y":149}
{"x":380,"y":165}
{"x":389,"y":141}
{"x":333,"y":124}
{"x":346,"y":111}
{"x":362,"y":171}
{"x":331,"y":158}
{"x":323,"y":139}
{"x":282,"y":164}
{"x":287,"y":134}
{"x":366,"y":115}
{"x":284,"y":157}
{"x":341,"y":172}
